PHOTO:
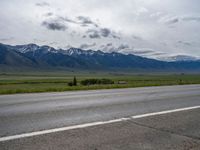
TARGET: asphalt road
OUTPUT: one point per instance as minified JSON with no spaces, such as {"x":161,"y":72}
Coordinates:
{"x":24,"y":113}
{"x":175,"y":131}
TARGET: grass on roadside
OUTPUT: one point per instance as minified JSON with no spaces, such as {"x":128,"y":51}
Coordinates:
{"x":11,"y":84}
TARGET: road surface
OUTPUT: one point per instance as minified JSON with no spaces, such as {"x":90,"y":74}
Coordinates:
{"x":29,"y":113}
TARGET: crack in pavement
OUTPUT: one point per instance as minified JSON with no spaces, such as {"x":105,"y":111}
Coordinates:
{"x":164,"y":130}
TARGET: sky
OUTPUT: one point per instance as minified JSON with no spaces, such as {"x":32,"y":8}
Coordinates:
{"x":150,"y":28}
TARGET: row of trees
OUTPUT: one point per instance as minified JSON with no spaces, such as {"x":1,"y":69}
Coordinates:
{"x":96,"y":81}
{"x":90,"y":82}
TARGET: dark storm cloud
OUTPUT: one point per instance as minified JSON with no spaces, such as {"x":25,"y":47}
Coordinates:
{"x":56,"y":22}
{"x":66,"y":19}
{"x":109,"y":47}
{"x":42,"y":4}
{"x":85,"y":21}
{"x":169,"y":20}
{"x":86,"y":46}
{"x":80,"y":20}
{"x":123,"y":46}
{"x":93,"y":34}
{"x":109,"y":44}
{"x":48,"y":14}
{"x":84,"y":36}
{"x":172,"y":21}
{"x":98,"y":32}
{"x":105,"y":32}
{"x":115,"y":36}
{"x":54,"y":25}
{"x":101,"y":32}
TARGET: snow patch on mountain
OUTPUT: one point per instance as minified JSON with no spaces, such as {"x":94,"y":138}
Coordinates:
{"x":26,"y":48}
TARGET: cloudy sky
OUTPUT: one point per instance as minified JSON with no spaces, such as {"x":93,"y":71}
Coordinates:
{"x":152,"y":28}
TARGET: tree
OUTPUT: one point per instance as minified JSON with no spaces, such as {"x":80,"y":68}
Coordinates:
{"x":74,"y":81}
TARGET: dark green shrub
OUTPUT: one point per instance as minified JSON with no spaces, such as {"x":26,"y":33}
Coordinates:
{"x":70,"y":84}
{"x":96,"y":81}
{"x":106,"y":81}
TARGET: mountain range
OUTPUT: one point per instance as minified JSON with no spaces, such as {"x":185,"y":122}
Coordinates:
{"x":32,"y":56}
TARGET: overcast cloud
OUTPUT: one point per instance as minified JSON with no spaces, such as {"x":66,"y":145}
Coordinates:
{"x":150,"y":27}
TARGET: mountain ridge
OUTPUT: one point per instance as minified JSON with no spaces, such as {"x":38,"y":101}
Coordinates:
{"x":34,"y":56}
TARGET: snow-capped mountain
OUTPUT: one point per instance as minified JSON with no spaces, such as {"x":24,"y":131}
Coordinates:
{"x":47,"y":49}
{"x":47,"y":57}
{"x":76,"y":51}
{"x":33,"y":48}
{"x":26,"y":48}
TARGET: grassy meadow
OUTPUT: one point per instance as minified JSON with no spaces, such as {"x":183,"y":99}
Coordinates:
{"x":11,"y":83}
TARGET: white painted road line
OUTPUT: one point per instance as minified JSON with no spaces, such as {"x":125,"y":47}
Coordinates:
{"x":24,"y":135}
{"x":164,"y":112}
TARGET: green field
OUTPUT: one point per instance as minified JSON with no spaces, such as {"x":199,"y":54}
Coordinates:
{"x":52,"y":82}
